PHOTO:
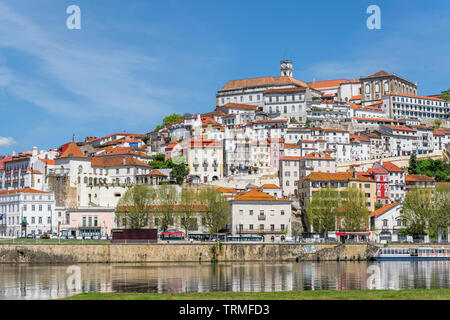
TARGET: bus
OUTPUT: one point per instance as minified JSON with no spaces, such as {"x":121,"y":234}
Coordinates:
{"x":245,"y":239}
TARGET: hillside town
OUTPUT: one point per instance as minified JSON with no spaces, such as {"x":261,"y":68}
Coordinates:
{"x":271,"y":146}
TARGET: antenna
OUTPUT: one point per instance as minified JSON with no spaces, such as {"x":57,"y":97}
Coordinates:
{"x":73,"y":137}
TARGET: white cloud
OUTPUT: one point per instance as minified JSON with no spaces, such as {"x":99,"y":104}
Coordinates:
{"x":7,"y":142}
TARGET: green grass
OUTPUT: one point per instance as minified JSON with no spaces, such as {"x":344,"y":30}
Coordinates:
{"x":415,"y":294}
{"x":52,"y":241}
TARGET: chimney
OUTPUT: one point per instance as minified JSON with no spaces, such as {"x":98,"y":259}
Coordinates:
{"x":381,"y":162}
{"x":34,"y":151}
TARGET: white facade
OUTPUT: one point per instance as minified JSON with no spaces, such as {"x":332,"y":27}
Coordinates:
{"x":33,"y":208}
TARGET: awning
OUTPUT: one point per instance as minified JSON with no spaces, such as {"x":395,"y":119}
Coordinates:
{"x":353,"y":233}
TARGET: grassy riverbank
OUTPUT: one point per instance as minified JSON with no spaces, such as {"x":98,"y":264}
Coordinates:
{"x":416,"y":294}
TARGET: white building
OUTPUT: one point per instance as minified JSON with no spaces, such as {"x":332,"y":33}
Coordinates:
{"x":413,"y":106}
{"x":259,"y":213}
{"x":386,"y":222}
{"x":27,"y":212}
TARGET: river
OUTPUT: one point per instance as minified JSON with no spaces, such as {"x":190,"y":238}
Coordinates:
{"x":20,"y":281}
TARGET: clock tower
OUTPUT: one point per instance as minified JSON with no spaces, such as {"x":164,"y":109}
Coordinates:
{"x":286,"y":68}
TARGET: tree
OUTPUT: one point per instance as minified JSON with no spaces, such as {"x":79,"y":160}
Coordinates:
{"x":354,"y":210}
{"x":412,"y":164}
{"x":158,"y":161}
{"x":168,"y":120}
{"x":445,"y":95}
{"x":133,"y":208}
{"x":189,"y":199}
{"x":321,"y":211}
{"x":292,"y":120}
{"x":418,"y":210}
{"x":440,"y":218}
{"x":438,"y":122}
{"x":167,"y":199}
{"x":217,"y":213}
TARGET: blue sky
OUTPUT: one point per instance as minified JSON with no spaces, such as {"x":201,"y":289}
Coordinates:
{"x":132,"y":64}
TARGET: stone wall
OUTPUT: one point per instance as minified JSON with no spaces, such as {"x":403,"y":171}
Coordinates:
{"x":132,"y":253}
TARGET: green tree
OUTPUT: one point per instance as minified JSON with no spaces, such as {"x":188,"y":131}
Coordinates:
{"x":167,"y":199}
{"x":354,"y":210}
{"x":438,"y":122}
{"x":440,"y":218}
{"x":189,"y":199}
{"x":133,"y":208}
{"x":158,"y":161}
{"x":169,"y":119}
{"x":418,"y":210}
{"x":321,"y":211}
{"x":292,"y":120}
{"x":412,"y":164}
{"x":217,"y":212}
{"x":445,"y":95}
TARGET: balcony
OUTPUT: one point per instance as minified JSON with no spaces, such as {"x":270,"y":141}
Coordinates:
{"x":256,"y":231}
{"x":261,"y":217}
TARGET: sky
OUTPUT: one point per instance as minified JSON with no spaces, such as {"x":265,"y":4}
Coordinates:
{"x":134,"y":62}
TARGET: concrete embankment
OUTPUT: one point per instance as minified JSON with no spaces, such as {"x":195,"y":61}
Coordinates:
{"x":202,"y":252}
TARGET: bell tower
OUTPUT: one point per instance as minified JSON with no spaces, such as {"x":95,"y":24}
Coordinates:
{"x":286,"y":68}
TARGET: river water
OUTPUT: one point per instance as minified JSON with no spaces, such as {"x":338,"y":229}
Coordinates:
{"x":50,"y":281}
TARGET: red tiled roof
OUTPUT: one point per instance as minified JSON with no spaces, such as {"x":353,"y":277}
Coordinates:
{"x":287,"y":90}
{"x":334,"y":176}
{"x":48,"y":161}
{"x":413,"y":96}
{"x":327,"y":83}
{"x":72,"y":151}
{"x":418,"y":178}
{"x":262,"y":82}
{"x":379,"y":74}
{"x":270,"y":186}
{"x":383,"y":209}
{"x":27,"y":190}
{"x":117,"y":162}
{"x":291,"y":146}
{"x":239,"y":106}
{"x":256,"y":195}
{"x":399,"y":128}
{"x":389,"y":166}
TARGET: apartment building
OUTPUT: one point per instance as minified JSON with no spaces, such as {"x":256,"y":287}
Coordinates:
{"x":396,"y":179}
{"x":258,"y":213}
{"x":414,"y":106}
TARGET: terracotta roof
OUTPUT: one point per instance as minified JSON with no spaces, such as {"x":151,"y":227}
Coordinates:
{"x":27,"y":190}
{"x":418,"y":178}
{"x":389,"y":166}
{"x":413,"y":96}
{"x":48,"y":161}
{"x":376,"y":171}
{"x":383,"y":209}
{"x":291,"y":146}
{"x":203,"y":143}
{"x":318,"y":156}
{"x":291,"y":158}
{"x":327,"y":83}
{"x":287,"y":90}
{"x":270,"y":186}
{"x":117,"y":162}
{"x":256,"y":195}
{"x":263,"y":81}
{"x":335,"y":176}
{"x":355,"y":98}
{"x":156,"y":173}
{"x":227,"y":190}
{"x":438,"y":133}
{"x":399,"y":128}
{"x":379,"y":74}
{"x":139,"y":135}
{"x":280,"y":140}
{"x":376,"y":119}
{"x":354,"y":136}
{"x":72,"y":151}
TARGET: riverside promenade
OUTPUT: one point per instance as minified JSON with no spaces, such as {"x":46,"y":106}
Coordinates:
{"x":185,"y":252}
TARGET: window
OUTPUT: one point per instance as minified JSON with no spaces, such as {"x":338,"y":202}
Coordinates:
{"x":282,"y":212}
{"x":251,"y":212}
{"x":385,"y":222}
{"x":33,"y":207}
{"x":272,"y":227}
{"x":90,"y":221}
{"x":95,"y":221}
{"x":49,"y":220}
{"x":282,"y":227}
{"x":84,"y":221}
{"x":40,"y":220}
{"x":33,"y":221}
{"x":261,"y":227}
{"x":241,"y":212}
{"x":250,"y":227}
{"x":49,"y":208}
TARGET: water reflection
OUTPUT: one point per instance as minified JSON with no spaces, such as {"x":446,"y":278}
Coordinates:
{"x":48,"y":282}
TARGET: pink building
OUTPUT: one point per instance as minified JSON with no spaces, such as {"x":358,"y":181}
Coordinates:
{"x":276,"y":149}
{"x":87,"y":222}
{"x":173,"y":149}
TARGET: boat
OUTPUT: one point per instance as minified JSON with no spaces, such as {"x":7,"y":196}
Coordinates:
{"x":402,"y":253}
